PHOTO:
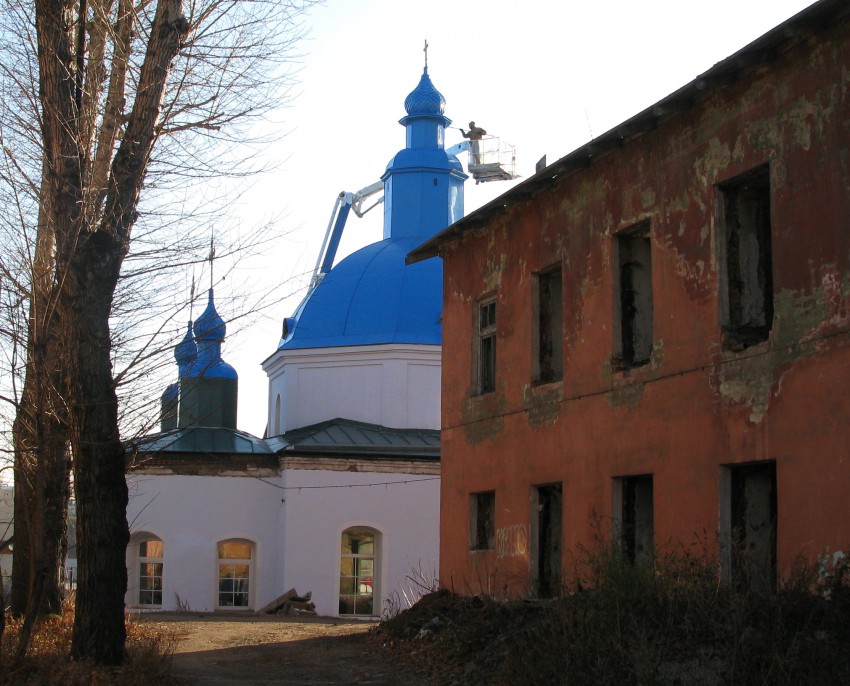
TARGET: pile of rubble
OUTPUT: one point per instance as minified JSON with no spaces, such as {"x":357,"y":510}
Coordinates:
{"x":290,"y":604}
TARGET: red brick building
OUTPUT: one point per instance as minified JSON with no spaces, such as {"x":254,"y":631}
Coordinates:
{"x":651,"y":334}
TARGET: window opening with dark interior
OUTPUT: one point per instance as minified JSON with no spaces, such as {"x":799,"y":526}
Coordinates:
{"x":547,"y":543}
{"x":746,"y":288}
{"x":487,"y":346}
{"x":550,"y":328}
{"x":634,"y":303}
{"x":748,"y":524}
{"x":482,"y":530}
{"x":636,"y":518}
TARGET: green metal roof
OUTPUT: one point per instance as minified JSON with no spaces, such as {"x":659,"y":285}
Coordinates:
{"x":202,"y":439}
{"x":348,"y":437}
{"x":336,"y":437}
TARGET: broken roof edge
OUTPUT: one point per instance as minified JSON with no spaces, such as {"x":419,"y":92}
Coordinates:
{"x":767,"y":48}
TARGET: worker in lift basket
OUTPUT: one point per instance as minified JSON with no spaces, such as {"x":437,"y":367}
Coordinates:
{"x":475,"y":134}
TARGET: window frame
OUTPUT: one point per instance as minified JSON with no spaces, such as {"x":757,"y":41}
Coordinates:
{"x":740,"y":563}
{"x":147,"y":560}
{"x":235,"y":562}
{"x":358,"y":558}
{"x":485,"y":345}
{"x":628,"y":529}
{"x":735,"y":290}
{"x":548,"y":326}
{"x":277,"y":431}
{"x":546,"y":539}
{"x":482,"y":521}
{"x":633,"y":343}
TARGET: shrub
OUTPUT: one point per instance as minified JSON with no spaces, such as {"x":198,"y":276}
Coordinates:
{"x":620,"y":623}
{"x":148,"y":663}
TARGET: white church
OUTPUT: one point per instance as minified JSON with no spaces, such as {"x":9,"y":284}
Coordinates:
{"x":341,"y":498}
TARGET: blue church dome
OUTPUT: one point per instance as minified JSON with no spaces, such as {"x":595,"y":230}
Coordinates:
{"x":186,"y":351}
{"x":210,"y":330}
{"x":425,"y":99}
{"x":210,"y":326}
{"x":372,"y":298}
{"x":171,"y":392}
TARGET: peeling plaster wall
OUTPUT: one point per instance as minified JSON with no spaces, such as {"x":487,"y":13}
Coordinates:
{"x":694,"y":406}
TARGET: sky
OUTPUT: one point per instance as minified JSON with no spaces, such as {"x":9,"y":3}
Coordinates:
{"x":544,"y":76}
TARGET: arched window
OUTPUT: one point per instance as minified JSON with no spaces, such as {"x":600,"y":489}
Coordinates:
{"x":358,"y":569}
{"x":277,"y":416}
{"x":234,"y":573}
{"x":150,"y":572}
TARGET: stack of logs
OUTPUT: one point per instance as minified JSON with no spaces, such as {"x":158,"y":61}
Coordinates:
{"x":290,"y":603}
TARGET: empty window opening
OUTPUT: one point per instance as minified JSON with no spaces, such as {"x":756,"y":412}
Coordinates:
{"x":748,"y":525}
{"x":633,"y":302}
{"x":746,"y":288}
{"x":357,"y":580}
{"x":634,"y":518}
{"x":234,"y":573}
{"x":547,"y":540}
{"x":550,"y":329}
{"x":482,"y":517}
{"x":150,"y":572}
{"x":487,"y":346}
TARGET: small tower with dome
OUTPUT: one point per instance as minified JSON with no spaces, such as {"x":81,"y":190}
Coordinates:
{"x":208,"y":385}
{"x":365,"y":342}
{"x":185,"y":353}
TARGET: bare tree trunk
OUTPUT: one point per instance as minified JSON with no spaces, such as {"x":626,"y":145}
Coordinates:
{"x":99,"y":481}
{"x":22,"y":561}
{"x":41,"y":501}
{"x":95,"y":160}
{"x":2,"y":617}
{"x":89,"y":254}
{"x":41,"y":509}
{"x":40,"y":439}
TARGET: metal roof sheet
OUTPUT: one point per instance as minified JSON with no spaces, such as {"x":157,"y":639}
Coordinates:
{"x":371,"y":298}
{"x":202,"y":439}
{"x":345,"y":436}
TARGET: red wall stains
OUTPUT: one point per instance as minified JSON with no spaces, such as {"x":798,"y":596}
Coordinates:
{"x":697,"y":407}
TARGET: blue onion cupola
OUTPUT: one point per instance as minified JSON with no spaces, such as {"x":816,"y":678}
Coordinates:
{"x":208,"y":385}
{"x":372,"y":297}
{"x":423,"y":184}
{"x":169,"y":407}
{"x":425,"y":101}
{"x":185,"y":353}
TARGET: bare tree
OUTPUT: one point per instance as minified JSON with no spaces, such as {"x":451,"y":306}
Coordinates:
{"x":135,"y":100}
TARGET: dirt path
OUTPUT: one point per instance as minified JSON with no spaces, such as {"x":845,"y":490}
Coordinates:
{"x":224,"y":650}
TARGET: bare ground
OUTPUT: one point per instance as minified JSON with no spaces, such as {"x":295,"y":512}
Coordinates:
{"x":220,"y":650}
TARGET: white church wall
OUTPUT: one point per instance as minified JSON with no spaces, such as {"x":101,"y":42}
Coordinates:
{"x":391,"y":385}
{"x":191,"y":514}
{"x":321,"y":504}
{"x":331,"y":390}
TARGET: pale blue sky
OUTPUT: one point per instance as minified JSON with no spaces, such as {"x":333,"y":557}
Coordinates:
{"x":545,"y":76}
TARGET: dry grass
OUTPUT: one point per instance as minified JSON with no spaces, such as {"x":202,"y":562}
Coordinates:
{"x":618,"y":623}
{"x":149,"y":651}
